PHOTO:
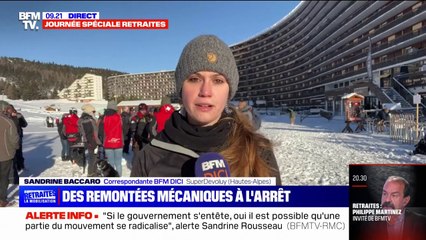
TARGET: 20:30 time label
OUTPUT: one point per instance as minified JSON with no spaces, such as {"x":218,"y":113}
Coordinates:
{"x":359,"y":178}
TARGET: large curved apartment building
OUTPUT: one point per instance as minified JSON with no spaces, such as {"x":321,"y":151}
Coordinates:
{"x":318,"y":52}
{"x":144,"y":86}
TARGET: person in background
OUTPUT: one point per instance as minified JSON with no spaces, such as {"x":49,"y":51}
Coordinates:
{"x":139,"y":123}
{"x":161,"y":117}
{"x":156,"y":122}
{"x":148,"y":131}
{"x":249,"y":113}
{"x":206,"y":80}
{"x":89,"y":134}
{"x":18,"y":159}
{"x":70,"y":131}
{"x":20,"y":123}
{"x":50,"y":121}
{"x":382,"y":117}
{"x":65,"y":152}
{"x":127,"y":133}
{"x":100,"y":114}
{"x":292,"y":115}
{"x":57,"y":121}
{"x":9,"y":143}
{"x":111,"y":136}
{"x":245,"y":109}
{"x":47,"y":122}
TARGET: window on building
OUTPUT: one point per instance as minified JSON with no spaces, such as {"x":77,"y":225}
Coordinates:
{"x":417,"y":27}
{"x":416,"y":6}
{"x":408,"y":50}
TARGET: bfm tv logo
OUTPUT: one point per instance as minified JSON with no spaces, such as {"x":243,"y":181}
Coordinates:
{"x":214,"y":168}
{"x":30,"y":19}
{"x":39,"y":196}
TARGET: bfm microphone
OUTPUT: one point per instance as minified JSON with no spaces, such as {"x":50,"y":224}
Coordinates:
{"x":211,"y":165}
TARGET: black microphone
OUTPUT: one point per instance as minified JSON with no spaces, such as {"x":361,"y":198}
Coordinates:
{"x":211,"y":165}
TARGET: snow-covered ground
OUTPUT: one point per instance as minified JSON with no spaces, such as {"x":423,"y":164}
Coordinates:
{"x":316,"y":152}
{"x":313,"y":152}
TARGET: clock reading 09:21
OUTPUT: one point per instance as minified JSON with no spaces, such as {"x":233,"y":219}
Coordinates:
{"x":359,"y":178}
{"x":52,"y":15}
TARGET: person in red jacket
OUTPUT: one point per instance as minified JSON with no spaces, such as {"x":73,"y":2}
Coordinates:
{"x":111,"y":136}
{"x":163,"y":115}
{"x":70,"y":131}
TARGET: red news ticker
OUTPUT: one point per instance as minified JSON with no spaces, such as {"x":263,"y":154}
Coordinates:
{"x":146,"y":24}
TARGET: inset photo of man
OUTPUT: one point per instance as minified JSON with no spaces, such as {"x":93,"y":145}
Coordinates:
{"x":387,"y":202}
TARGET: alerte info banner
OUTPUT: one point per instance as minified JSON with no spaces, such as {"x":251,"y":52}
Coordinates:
{"x":172,"y":208}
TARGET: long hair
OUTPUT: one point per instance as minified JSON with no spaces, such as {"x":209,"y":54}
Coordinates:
{"x":245,"y":150}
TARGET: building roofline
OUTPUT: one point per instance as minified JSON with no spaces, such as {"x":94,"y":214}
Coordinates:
{"x":271,"y":27}
{"x":161,"y":71}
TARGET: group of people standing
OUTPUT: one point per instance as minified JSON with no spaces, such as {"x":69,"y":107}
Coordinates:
{"x":11,"y":156}
{"x":112,"y":135}
{"x":86,"y":133}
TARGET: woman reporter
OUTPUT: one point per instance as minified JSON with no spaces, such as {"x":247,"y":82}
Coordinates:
{"x":206,"y":80}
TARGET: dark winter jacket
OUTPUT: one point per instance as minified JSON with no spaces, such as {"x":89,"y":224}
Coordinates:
{"x":61,"y":131}
{"x":125,"y":118}
{"x":142,"y":134}
{"x":158,"y":159}
{"x":134,"y":121}
{"x":88,"y":131}
{"x":382,"y":115}
{"x":149,"y":131}
{"x":20,"y":123}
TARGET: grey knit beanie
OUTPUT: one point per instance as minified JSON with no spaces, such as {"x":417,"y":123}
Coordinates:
{"x":112,"y":105}
{"x":207,"y":53}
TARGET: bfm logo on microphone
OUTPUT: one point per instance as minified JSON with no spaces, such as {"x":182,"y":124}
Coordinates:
{"x":219,"y":167}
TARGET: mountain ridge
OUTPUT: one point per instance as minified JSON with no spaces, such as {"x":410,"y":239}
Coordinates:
{"x":30,"y":80}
